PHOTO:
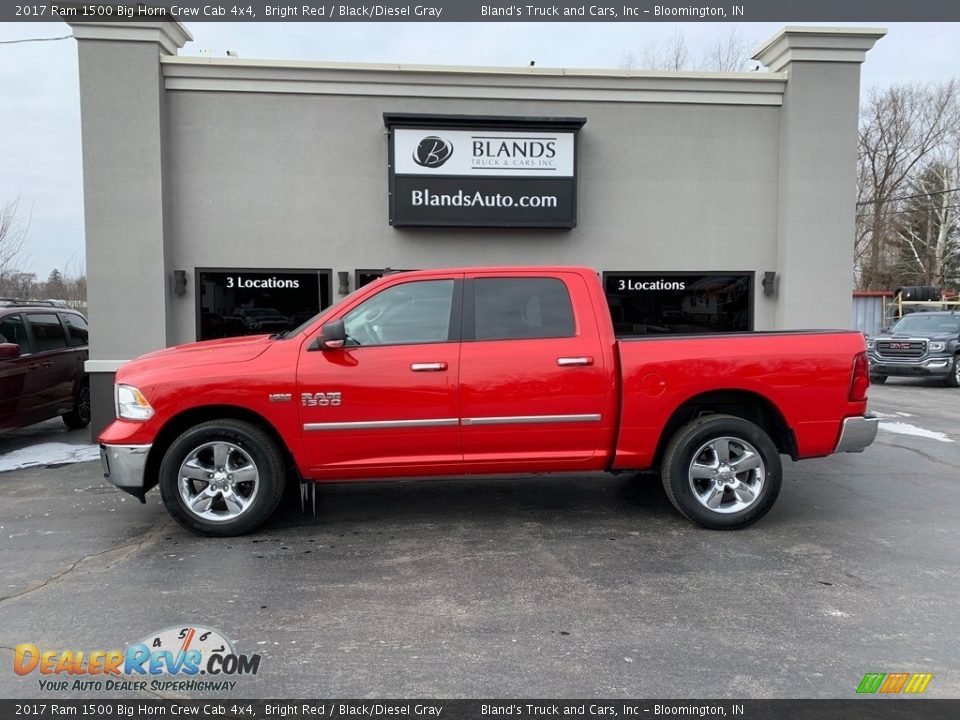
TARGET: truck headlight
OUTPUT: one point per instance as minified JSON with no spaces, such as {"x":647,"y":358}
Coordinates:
{"x":131,"y":404}
{"x":937,"y":346}
{"x":871,"y":344}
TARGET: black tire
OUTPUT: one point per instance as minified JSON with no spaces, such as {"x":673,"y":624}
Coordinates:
{"x":919,"y":292}
{"x":244,"y":445}
{"x":953,"y":378}
{"x":878,"y":379}
{"x":692,"y":442}
{"x":79,"y":416}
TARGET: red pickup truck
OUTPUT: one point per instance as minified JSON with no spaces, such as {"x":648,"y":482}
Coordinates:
{"x":484,"y":370}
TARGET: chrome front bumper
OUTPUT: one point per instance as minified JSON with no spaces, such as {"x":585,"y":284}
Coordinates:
{"x":125,"y":466}
{"x":857,"y":433}
{"x":937,"y":365}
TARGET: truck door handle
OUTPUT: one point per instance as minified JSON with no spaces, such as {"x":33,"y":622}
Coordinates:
{"x":574,"y":361}
{"x":48,"y":363}
{"x":33,"y":366}
{"x":428,"y":367}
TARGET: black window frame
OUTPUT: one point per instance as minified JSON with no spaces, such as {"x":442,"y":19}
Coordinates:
{"x":468,"y":321}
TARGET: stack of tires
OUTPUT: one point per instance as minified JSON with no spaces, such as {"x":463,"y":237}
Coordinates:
{"x":916,"y":293}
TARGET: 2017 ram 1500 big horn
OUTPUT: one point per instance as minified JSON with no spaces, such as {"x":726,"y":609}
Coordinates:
{"x":472,"y":371}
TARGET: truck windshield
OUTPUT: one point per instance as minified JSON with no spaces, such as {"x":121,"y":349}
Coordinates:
{"x":925,"y":324}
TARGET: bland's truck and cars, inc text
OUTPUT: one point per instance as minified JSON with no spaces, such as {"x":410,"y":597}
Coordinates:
{"x":481,"y":371}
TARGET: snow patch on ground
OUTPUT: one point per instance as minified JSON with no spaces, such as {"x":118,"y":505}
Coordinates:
{"x":902,"y":428}
{"x":51,"y":453}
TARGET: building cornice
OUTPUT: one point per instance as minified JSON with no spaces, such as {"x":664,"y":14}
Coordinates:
{"x":439,"y":81}
{"x":169,"y":34}
{"x":817,"y":44}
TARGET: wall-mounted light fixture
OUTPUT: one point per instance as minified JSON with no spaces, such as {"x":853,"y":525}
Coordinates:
{"x":344,"y":278}
{"x":769,"y":283}
{"x":180,"y":282}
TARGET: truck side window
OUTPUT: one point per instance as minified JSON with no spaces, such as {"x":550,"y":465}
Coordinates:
{"x":411,"y":313}
{"x":13,"y":331}
{"x":47,"y":331}
{"x":519,"y":308}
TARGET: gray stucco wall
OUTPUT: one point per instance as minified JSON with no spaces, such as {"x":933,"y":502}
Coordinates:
{"x":265,"y":180}
{"x":122,"y":109}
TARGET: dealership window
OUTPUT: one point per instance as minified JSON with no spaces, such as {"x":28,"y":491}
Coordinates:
{"x":367,"y":275}
{"x":233,"y":302}
{"x":664,"y":303}
{"x":414,"y":312}
{"x":519,"y":308}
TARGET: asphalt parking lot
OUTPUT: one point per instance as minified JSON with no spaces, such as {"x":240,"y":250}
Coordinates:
{"x":562,"y":586}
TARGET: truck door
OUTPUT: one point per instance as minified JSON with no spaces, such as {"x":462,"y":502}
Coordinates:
{"x":533,"y":385}
{"x":388,"y":398}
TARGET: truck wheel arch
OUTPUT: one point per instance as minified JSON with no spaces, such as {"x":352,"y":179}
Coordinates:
{"x":180,"y":422}
{"x":745,"y":404}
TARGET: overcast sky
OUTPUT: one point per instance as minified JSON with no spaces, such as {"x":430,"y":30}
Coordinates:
{"x":39,"y":104}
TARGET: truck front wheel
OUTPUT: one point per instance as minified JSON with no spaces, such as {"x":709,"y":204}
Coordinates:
{"x":721,"y":472}
{"x":953,"y":379}
{"x":222,"y":478}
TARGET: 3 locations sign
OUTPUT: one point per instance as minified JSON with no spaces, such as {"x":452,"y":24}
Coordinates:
{"x":459,"y":171}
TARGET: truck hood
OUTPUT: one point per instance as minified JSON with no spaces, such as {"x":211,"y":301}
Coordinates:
{"x":208,"y":352}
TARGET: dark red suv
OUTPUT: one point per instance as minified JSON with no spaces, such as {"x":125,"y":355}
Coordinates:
{"x":43,"y":348}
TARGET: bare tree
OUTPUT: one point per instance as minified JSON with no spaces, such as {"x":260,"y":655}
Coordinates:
{"x":730,"y":53}
{"x":901,"y":128}
{"x":927,"y":232}
{"x":13,"y":238}
{"x":75,"y":284}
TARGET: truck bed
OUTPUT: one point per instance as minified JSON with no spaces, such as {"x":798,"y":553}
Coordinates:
{"x":802,"y":375}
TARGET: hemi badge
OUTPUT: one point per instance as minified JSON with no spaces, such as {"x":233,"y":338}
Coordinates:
{"x":281,"y":397}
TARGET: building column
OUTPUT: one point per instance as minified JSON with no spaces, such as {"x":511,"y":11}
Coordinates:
{"x":123,"y":117}
{"x":817,"y":180}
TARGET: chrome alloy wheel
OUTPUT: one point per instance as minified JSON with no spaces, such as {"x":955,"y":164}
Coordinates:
{"x":218,"y":481}
{"x":727,"y":475}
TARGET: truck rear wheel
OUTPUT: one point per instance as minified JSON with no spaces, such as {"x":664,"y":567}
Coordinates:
{"x":721,"y":472}
{"x":222,"y":478}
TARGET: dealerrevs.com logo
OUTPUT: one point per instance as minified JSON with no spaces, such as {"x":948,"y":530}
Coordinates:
{"x":178,"y":659}
{"x":432,"y":152}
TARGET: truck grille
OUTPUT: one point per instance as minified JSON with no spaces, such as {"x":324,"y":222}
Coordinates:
{"x":902,"y":349}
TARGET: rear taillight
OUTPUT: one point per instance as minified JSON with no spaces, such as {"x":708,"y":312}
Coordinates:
{"x":860,"y":380}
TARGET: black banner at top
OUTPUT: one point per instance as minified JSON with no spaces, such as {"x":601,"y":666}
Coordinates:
{"x":637,"y":11}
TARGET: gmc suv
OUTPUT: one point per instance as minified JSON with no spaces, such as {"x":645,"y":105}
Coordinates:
{"x":42,"y":351}
{"x":924,"y":344}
